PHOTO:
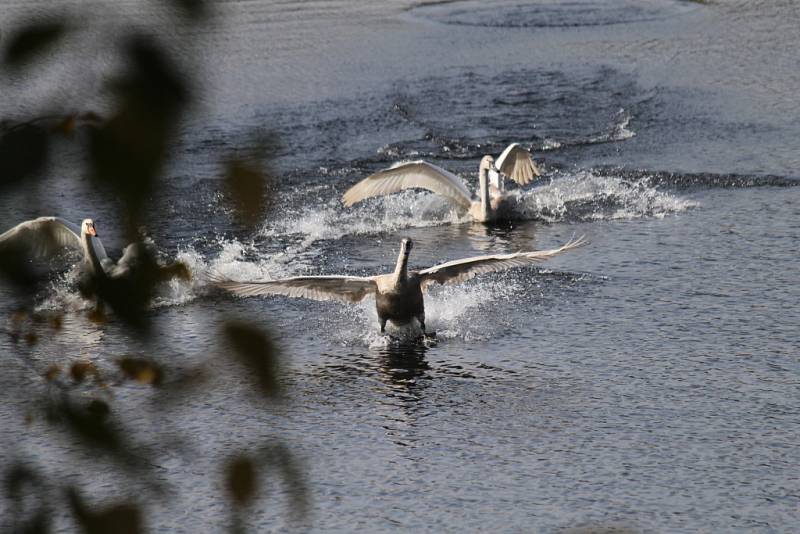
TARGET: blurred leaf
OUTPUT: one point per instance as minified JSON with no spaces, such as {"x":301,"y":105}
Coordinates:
{"x":128,"y":151}
{"x":32,"y":40}
{"x":241,"y":480}
{"x":52,"y":372}
{"x":141,"y":370}
{"x":125,"y":518}
{"x":80,"y":370}
{"x":24,"y":152}
{"x":17,"y":478}
{"x":257,"y":352}
{"x":56,"y":321}
{"x":249,"y":180}
{"x":247,"y":185}
{"x":182,"y":384}
{"x":99,"y":410}
{"x":67,"y":125}
{"x":91,"y":424}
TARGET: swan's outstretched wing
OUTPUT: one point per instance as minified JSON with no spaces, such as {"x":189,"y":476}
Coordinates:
{"x":341,"y":288}
{"x":516,"y":163}
{"x":461,"y":270}
{"x":46,"y":236}
{"x":409,"y":175}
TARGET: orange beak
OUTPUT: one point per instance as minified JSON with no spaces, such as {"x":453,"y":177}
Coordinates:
{"x":92,"y":231}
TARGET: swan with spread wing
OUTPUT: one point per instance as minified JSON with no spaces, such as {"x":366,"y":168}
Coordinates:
{"x":398,"y":295}
{"x":514,"y":162}
{"x":49,"y":236}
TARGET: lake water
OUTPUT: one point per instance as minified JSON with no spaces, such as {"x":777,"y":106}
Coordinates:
{"x":648,"y":381}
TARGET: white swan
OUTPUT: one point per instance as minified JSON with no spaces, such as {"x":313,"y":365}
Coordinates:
{"x":491,"y":203}
{"x":49,"y":236}
{"x":398,"y":295}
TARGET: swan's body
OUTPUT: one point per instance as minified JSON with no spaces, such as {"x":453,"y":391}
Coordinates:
{"x":100,"y":276}
{"x":491,"y":202}
{"x":398,"y":295}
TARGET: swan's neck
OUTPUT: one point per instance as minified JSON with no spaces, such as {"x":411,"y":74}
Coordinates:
{"x":91,"y":255}
{"x":401,"y":269}
{"x":496,"y":180}
{"x":483,"y":183}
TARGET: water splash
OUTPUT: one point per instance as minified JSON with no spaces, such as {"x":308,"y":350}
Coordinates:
{"x":466,"y":312}
{"x":586,"y":196}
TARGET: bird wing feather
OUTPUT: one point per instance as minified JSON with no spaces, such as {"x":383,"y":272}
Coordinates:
{"x":516,"y":163}
{"x":464,"y":269}
{"x":339,"y":288}
{"x":409,"y":175}
{"x":46,"y":236}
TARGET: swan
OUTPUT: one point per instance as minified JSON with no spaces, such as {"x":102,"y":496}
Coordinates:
{"x":48,"y":236}
{"x":398,"y":295}
{"x":514,"y":162}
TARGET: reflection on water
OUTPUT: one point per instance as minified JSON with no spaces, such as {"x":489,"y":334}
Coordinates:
{"x":402,"y":363}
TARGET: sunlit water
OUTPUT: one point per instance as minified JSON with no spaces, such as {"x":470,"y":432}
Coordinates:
{"x":649,"y":380}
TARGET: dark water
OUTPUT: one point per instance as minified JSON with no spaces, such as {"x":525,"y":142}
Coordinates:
{"x":649,"y":380}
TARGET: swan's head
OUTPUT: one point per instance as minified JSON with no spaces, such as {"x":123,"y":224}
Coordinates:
{"x":405,"y":246}
{"x":487,"y":162}
{"x":87,"y":227}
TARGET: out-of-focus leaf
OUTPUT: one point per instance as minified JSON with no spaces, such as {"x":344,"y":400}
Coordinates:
{"x":274,"y":458}
{"x":279,"y":456}
{"x":128,"y":151}
{"x":125,"y":518}
{"x":248,"y":178}
{"x":79,"y":371}
{"x":241,"y":480}
{"x":24,"y":151}
{"x":98,"y":409}
{"x":91,"y":424}
{"x":258,"y":353}
{"x":181,"y":385}
{"x":141,"y":370}
{"x":18,"y":479}
{"x":247,"y":186}
{"x":32,"y":40}
{"x":52,"y":372}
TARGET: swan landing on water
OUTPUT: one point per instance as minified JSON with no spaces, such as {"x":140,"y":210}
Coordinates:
{"x":492,"y":203}
{"x":398,"y":295}
{"x":100,"y":275}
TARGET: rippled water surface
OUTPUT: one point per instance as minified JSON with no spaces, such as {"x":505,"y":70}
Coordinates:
{"x":648,"y":381}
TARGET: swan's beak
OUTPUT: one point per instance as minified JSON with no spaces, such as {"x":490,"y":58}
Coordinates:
{"x":92,"y":231}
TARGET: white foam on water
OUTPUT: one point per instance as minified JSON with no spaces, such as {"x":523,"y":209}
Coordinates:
{"x":585,"y":196}
{"x":394,"y":212}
